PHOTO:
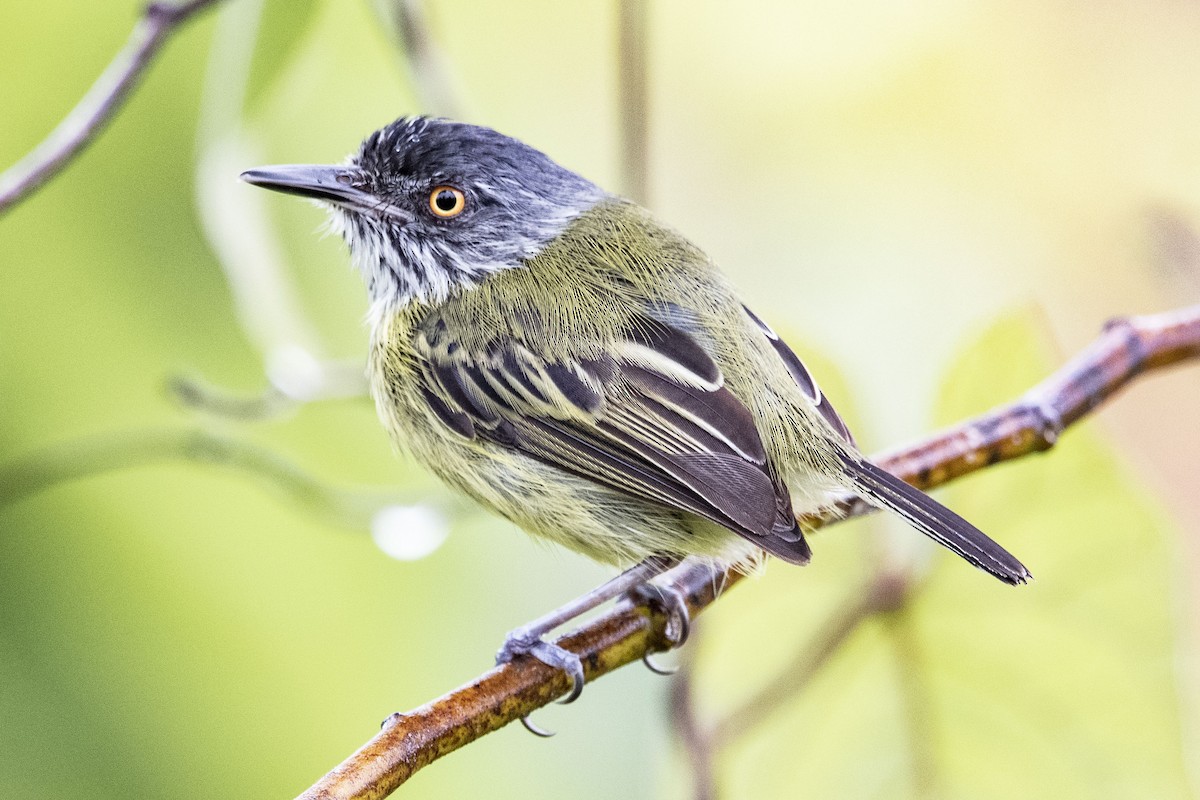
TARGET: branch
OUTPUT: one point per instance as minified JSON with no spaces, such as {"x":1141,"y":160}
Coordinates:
{"x":427,"y":62}
{"x":886,"y":592}
{"x":50,"y":466}
{"x":697,"y":742}
{"x":410,"y":741}
{"x":99,"y":105}
{"x":633,"y":106}
{"x":1128,"y":347}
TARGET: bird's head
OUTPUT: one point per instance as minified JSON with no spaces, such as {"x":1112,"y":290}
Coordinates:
{"x":429,"y":206}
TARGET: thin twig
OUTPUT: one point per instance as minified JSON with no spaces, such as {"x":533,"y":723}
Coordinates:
{"x":410,"y":741}
{"x":100,"y":103}
{"x":335,"y":380}
{"x":884,"y":593}
{"x":633,"y":105}
{"x":50,"y":466}
{"x":506,"y":693}
{"x":427,"y":63}
{"x":193,"y":392}
{"x":915,"y":702}
{"x":685,"y":723}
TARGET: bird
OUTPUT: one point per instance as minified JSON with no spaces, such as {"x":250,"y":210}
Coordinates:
{"x":570,"y":362}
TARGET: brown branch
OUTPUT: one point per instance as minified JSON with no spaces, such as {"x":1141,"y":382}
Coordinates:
{"x":100,"y":103}
{"x":1127,"y":348}
{"x":410,"y":741}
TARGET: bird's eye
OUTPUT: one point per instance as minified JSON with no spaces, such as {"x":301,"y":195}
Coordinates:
{"x":446,"y":201}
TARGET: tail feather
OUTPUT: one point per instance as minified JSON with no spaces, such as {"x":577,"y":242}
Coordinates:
{"x":935,"y":520}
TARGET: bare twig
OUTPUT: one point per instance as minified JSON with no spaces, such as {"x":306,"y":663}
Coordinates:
{"x":1128,"y":347}
{"x":80,"y":458}
{"x":915,"y":702}
{"x":506,"y":693}
{"x":884,"y":593}
{"x":427,"y":62}
{"x":410,"y":741}
{"x":197,"y":393}
{"x":685,"y":723}
{"x":633,"y":105}
{"x":100,"y":103}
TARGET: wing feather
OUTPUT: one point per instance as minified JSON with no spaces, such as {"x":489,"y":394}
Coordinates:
{"x":803,"y":378}
{"x":717,"y":411}
{"x":652,"y":418}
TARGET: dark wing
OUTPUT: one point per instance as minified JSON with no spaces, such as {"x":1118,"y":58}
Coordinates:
{"x":803,"y":379}
{"x":650,"y":417}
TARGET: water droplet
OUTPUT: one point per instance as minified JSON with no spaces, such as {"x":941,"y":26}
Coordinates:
{"x":409,"y":533}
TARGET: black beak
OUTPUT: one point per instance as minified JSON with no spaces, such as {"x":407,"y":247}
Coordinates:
{"x":330,"y":184}
{"x":334,"y":184}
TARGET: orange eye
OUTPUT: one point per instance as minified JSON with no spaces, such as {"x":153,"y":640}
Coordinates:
{"x":446,"y":201}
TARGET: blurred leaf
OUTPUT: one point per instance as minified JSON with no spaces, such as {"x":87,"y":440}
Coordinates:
{"x":1063,"y":688}
{"x":1092,"y":706}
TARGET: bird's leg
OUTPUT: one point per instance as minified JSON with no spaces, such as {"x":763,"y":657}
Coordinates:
{"x":528,"y":638}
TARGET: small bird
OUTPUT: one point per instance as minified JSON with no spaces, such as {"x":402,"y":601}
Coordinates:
{"x":576,"y":366}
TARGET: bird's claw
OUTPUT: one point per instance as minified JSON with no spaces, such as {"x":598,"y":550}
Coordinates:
{"x":656,"y":668}
{"x":520,"y":642}
{"x":568,"y":662}
{"x":679,"y":620}
{"x":672,"y":601}
{"x":536,"y":730}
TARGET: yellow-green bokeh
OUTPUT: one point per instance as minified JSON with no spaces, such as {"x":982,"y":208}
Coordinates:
{"x":883,"y":179}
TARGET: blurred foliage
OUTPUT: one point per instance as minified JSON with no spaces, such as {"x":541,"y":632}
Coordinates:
{"x":880,"y":178}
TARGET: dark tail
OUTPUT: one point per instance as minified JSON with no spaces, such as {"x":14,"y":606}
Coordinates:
{"x":933,"y":519}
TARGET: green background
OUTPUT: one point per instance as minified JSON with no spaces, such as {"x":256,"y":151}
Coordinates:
{"x":886,"y":181}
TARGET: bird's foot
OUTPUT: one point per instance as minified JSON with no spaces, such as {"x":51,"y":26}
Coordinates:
{"x":679,"y":619}
{"x":528,"y":641}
